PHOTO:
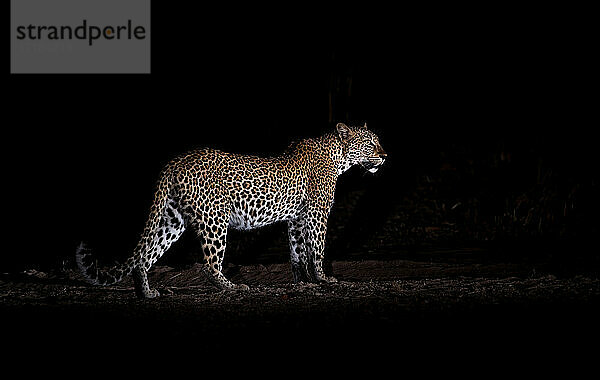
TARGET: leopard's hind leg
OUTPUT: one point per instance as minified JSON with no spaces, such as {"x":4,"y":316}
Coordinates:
{"x":213,"y":237}
{"x":210,"y":221}
{"x":142,"y":287}
{"x":169,"y":230}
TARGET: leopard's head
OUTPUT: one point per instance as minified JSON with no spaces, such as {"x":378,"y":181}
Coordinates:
{"x":361,"y":146}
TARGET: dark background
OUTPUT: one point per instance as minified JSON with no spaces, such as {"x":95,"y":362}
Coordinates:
{"x":485,"y":115}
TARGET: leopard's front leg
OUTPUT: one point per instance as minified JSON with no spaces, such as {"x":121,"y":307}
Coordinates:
{"x":301,"y":264}
{"x":316,"y":231}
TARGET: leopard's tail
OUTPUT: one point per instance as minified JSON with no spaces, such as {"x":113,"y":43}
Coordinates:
{"x":88,"y":264}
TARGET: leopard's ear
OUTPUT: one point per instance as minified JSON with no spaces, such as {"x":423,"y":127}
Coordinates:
{"x":364,"y":126}
{"x":344,"y":132}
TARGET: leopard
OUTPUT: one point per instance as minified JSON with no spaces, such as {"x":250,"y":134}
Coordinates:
{"x":209,"y":191}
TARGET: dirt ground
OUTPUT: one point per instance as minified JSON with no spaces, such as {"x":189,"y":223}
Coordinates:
{"x":399,"y":307}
